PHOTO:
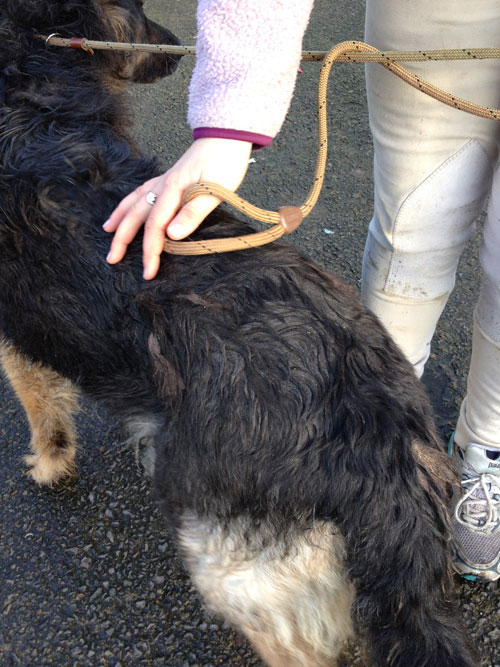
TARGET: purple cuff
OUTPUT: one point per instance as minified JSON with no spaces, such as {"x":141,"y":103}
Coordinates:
{"x":258,"y":140}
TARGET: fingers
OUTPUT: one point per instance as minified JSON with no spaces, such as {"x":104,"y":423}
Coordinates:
{"x":126,"y":220}
{"x":184,"y":223}
{"x":123,"y":207}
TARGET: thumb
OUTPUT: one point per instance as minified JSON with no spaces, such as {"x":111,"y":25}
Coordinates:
{"x":191,"y":215}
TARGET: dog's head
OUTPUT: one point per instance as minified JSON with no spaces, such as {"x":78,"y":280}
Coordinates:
{"x":102,"y":20}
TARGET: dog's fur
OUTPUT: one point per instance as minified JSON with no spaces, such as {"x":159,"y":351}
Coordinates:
{"x":296,"y":458}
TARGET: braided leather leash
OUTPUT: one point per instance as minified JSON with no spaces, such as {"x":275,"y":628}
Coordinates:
{"x":288,"y":218}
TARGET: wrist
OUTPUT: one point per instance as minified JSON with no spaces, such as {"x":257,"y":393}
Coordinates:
{"x":257,"y":140}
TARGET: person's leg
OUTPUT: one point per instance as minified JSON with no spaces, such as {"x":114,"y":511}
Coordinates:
{"x":433,"y":172}
{"x":433,"y":164}
{"x":477,"y":436}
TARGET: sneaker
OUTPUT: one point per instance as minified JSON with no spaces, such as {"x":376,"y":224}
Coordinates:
{"x":476,"y":518}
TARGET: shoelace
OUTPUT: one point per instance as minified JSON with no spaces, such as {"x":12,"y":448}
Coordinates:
{"x":480,"y":513}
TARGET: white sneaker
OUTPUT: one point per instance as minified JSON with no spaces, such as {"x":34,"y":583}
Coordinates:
{"x":476,"y":517}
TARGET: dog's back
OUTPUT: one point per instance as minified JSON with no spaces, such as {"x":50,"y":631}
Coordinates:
{"x":295,"y":452}
{"x":296,"y":462}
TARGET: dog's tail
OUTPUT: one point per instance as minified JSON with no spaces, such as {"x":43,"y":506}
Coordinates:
{"x":398,"y":558}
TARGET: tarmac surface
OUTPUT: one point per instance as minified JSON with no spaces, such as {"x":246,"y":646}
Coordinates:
{"x":87,"y":573}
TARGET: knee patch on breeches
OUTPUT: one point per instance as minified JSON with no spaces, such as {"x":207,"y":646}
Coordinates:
{"x":415,"y":242}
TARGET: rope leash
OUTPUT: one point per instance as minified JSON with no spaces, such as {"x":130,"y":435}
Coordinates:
{"x":311,"y":56}
{"x":288,"y":218}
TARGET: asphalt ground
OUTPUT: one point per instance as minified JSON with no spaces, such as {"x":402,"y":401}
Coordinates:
{"x":87,"y":573}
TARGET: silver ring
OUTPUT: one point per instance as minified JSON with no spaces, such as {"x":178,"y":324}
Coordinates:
{"x":52,"y":34}
{"x":151,"y":198}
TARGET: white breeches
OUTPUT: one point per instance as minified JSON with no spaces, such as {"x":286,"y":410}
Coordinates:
{"x":434,"y":169}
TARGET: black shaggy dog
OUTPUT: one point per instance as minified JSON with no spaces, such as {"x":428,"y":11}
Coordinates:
{"x":296,"y":458}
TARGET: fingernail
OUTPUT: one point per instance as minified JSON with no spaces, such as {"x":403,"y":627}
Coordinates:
{"x":106,"y":223}
{"x":175,"y":230}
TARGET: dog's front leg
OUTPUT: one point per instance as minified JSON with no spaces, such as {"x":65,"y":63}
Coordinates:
{"x":49,"y":402}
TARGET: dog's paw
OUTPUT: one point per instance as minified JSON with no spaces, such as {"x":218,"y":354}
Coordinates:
{"x":51,"y":468}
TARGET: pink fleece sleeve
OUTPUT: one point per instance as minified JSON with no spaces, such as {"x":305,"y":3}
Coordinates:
{"x":248,"y":53}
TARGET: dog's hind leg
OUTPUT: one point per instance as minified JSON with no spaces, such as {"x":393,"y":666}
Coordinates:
{"x":397,"y":537}
{"x":49,"y":402}
{"x":289,"y":595}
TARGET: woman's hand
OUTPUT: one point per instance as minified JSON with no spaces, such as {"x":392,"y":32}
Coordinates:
{"x":222,"y":161}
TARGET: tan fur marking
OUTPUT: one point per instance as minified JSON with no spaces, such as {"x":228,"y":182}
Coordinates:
{"x":49,"y":402}
{"x":275,"y":654}
{"x":119,"y":21}
{"x":118,"y":18}
{"x":291,"y":600}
